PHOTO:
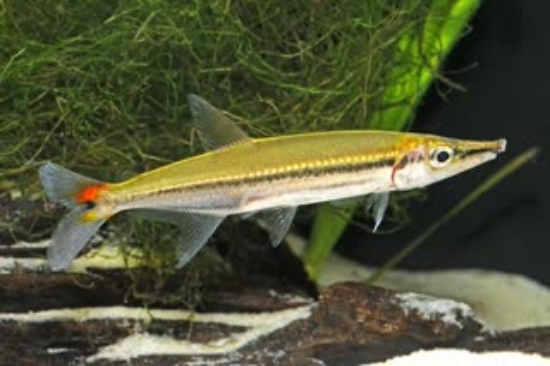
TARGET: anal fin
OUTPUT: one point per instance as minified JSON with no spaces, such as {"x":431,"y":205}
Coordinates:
{"x":195,"y":230}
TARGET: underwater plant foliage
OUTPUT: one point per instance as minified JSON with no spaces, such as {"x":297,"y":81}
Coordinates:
{"x":424,"y":48}
{"x":100,"y":87}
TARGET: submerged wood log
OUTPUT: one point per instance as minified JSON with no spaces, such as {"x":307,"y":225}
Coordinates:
{"x":349,"y":324}
{"x":265,"y":312}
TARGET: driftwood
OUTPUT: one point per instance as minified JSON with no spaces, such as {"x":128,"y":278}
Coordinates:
{"x":52,"y":319}
{"x":266,"y":313}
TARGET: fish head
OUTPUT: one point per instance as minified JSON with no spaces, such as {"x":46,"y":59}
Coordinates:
{"x":427,"y":159}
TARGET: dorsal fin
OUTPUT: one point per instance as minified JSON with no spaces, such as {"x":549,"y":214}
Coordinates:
{"x":215,"y":129}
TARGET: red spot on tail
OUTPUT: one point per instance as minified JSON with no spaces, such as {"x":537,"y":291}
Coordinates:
{"x":90,"y":193}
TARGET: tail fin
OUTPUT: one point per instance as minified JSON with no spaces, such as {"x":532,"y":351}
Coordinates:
{"x":77,"y":193}
{"x":63,"y":186}
{"x":71,"y":235}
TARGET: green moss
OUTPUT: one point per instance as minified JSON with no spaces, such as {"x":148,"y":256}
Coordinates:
{"x":100,"y":87}
{"x":161,"y":283}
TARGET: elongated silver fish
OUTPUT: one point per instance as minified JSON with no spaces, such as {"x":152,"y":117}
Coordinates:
{"x":241,"y":175}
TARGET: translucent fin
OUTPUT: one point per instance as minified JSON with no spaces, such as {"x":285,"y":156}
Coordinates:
{"x":377,"y":203}
{"x":277,"y":223}
{"x":195,"y":232}
{"x":70,"y":236}
{"x":247,"y":215}
{"x":196,"y":229}
{"x":214,"y":128}
{"x":344,"y":202}
{"x":171,"y":217}
{"x":61,"y":185}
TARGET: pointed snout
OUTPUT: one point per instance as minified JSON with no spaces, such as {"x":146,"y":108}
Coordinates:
{"x":501,"y":145}
{"x":495,"y":146}
{"x":468,"y":149}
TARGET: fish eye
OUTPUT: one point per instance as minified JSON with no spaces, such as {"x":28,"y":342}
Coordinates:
{"x":441,"y":156}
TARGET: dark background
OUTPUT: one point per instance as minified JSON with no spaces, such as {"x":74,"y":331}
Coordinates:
{"x":508,"y":95}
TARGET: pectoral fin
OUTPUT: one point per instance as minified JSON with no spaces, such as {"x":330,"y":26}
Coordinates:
{"x":277,"y":223}
{"x":377,"y":203}
{"x":195,"y":230}
{"x":215,"y":129}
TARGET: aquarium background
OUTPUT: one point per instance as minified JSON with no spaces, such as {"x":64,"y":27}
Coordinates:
{"x":504,"y":65}
{"x":104,"y":94}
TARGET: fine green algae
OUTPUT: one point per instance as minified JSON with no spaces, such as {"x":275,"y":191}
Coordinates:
{"x":100,"y":87}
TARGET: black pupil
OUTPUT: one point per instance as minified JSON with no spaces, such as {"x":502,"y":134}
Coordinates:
{"x":89,"y":205}
{"x":442,"y":156}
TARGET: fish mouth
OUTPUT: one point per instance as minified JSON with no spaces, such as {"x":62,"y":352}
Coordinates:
{"x":496,"y":146}
{"x":501,"y":146}
{"x":472,"y":149}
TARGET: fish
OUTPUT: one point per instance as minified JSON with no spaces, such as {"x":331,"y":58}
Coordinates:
{"x":266,"y":178}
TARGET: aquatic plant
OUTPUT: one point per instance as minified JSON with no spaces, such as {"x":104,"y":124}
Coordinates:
{"x":100,"y":87}
{"x":420,"y":52}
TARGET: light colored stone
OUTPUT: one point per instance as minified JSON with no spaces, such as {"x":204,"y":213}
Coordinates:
{"x":502,"y":301}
